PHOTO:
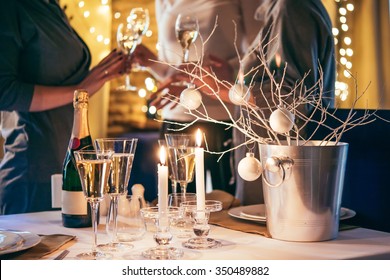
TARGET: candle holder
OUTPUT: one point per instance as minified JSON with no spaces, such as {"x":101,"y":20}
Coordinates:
{"x":162,"y":236}
{"x":181,"y":227}
{"x":201,"y":226}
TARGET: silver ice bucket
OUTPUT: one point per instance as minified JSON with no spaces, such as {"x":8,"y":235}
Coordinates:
{"x":302,"y":188}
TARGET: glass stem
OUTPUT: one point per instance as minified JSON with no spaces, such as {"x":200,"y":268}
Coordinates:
{"x":127,"y":80}
{"x":94,"y":209}
{"x":114,"y":205}
{"x":174,"y":185}
{"x":185,"y":55}
{"x":183,"y":188}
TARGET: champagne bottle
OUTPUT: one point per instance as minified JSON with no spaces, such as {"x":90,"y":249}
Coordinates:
{"x":75,"y":211}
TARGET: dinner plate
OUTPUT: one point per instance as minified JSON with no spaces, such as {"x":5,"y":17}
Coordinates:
{"x":29,"y":240}
{"x":256,"y":213}
{"x":9,"y":239}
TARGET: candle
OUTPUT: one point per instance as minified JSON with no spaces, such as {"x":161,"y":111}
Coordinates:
{"x":163,"y":188}
{"x":199,"y":171}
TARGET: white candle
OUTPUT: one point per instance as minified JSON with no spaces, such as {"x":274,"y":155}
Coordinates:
{"x":199,"y":171}
{"x":163,"y":188}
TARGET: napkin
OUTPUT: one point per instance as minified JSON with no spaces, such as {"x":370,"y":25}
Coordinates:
{"x":48,"y":244}
{"x":223,"y":219}
{"x":228,"y":200}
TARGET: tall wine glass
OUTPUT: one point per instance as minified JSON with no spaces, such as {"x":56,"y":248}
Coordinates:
{"x":172,"y":175}
{"x":127,"y":39}
{"x":123,"y":151}
{"x":94,"y":171}
{"x":139,"y":21}
{"x":181,"y":155}
{"x":139,"y":17}
{"x":187,"y":29}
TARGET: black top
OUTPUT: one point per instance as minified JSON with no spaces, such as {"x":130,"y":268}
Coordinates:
{"x":300,"y":31}
{"x":37,"y":46}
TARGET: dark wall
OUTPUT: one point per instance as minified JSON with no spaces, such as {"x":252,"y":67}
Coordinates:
{"x":367,"y":180}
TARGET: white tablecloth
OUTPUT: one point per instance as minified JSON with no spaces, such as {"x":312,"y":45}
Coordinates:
{"x":358,"y":243}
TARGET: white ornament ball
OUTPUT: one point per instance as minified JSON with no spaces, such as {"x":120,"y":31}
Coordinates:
{"x":249,"y":168}
{"x":239,"y":94}
{"x":281,"y":120}
{"x":191,"y":98}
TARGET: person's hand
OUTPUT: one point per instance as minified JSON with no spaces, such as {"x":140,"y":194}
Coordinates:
{"x":143,"y":56}
{"x":215,"y":76}
{"x":167,"y":94}
{"x":112,"y":66}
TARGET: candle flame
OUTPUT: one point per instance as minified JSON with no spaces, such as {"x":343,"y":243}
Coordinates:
{"x":278,"y":60}
{"x":163,"y":155}
{"x":198,"y":138}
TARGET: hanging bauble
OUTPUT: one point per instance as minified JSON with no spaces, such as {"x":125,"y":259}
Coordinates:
{"x":281,"y":120}
{"x":191,"y":98}
{"x":239,"y":94}
{"x":249,"y":168}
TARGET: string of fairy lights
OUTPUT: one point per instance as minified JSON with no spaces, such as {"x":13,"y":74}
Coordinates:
{"x":341,"y":32}
{"x":104,"y":9}
{"x":343,"y":44}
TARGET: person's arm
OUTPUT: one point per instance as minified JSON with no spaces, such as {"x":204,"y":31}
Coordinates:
{"x":49,"y":97}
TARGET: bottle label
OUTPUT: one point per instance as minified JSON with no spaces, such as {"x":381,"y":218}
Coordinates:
{"x":74,"y":203}
{"x":75,"y":143}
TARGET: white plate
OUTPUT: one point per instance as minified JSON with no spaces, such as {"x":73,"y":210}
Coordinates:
{"x":30,"y":240}
{"x":250,"y":212}
{"x":9,"y":239}
{"x":256,"y":213}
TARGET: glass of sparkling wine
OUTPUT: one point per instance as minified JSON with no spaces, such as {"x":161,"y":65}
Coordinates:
{"x":94,"y":170}
{"x":181,"y":155}
{"x":123,"y":151}
{"x":140,"y":18}
{"x":187,"y":29}
{"x":127,"y":39}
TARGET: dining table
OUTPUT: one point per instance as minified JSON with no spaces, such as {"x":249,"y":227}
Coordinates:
{"x":353,"y":243}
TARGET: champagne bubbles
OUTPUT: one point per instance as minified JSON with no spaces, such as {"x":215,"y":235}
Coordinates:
{"x":239,"y":94}
{"x":249,"y":168}
{"x":191,"y":98}
{"x":281,"y":120}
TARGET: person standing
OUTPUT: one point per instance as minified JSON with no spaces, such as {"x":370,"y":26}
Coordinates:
{"x":296,"y":33}
{"x":42,"y":61}
{"x":222,"y":24}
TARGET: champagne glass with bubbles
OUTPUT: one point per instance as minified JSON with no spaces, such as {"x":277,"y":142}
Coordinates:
{"x":127,"y":39}
{"x":187,"y":29}
{"x":123,"y":151}
{"x":94,"y":171}
{"x":138,"y":20}
{"x":181,"y":154}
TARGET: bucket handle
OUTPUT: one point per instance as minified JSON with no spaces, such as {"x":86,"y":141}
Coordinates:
{"x":277,"y":164}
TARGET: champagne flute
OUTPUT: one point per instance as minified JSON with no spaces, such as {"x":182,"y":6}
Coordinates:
{"x":122,"y":151}
{"x":181,"y":155}
{"x":187,"y":29}
{"x":139,"y":21}
{"x":139,"y":17}
{"x":94,"y":171}
{"x":127,"y":39}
